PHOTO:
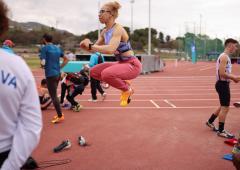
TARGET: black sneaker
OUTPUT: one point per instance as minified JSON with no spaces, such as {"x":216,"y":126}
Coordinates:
{"x":77,"y":108}
{"x":236,"y":104}
{"x":64,"y":145}
{"x":225,"y":134}
{"x":81,"y":141}
{"x":212,"y":126}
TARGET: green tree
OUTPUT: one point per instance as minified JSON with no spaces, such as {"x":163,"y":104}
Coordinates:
{"x":161,"y":37}
{"x":168,"y":38}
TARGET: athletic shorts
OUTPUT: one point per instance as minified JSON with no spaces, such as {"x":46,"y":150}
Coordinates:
{"x":45,"y":102}
{"x":223,"y":90}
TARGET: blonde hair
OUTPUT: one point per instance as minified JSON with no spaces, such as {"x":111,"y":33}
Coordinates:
{"x":114,"y":7}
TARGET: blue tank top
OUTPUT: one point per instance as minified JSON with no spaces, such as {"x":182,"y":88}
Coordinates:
{"x":123,"y":46}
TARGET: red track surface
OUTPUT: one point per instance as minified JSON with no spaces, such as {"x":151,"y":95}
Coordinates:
{"x":163,"y":128}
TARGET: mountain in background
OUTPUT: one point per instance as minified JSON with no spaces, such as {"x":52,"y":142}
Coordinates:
{"x":30,"y":33}
{"x":33,"y":26}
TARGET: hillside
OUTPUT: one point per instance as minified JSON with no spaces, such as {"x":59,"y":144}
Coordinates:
{"x":32,"y":26}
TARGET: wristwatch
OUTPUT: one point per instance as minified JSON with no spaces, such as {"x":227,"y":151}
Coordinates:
{"x":90,"y":46}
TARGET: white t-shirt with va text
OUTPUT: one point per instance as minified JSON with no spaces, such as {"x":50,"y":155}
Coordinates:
{"x":20,"y":114}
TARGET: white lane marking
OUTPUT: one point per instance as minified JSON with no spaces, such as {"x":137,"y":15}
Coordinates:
{"x":195,"y":107}
{"x":155,"y":104}
{"x":207,"y":68}
{"x":168,"y":102}
{"x":196,"y":68}
{"x":172,"y":94}
{"x":144,"y":100}
{"x":175,"y":90}
{"x":162,"y":77}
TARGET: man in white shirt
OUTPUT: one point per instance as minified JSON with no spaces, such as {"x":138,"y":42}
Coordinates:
{"x":224,"y":76}
{"x":70,"y":56}
{"x":20,"y":114}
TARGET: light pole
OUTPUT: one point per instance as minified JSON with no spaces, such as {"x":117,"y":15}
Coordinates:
{"x":98,"y":20}
{"x":200,"y":25}
{"x":149,"y":29}
{"x":131,"y":1}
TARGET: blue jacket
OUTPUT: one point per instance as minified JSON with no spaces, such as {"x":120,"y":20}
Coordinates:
{"x":94,"y":59}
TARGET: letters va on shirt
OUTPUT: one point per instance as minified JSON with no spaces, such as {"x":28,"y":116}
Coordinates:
{"x":8,"y":79}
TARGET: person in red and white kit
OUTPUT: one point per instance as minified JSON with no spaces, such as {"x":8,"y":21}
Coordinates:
{"x":20,"y":114}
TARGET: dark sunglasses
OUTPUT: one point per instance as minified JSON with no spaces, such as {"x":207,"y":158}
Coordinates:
{"x":103,"y":11}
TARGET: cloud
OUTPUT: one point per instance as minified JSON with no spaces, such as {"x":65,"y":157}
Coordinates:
{"x":218,"y":17}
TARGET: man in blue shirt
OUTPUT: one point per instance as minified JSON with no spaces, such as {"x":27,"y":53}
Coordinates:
{"x":7,"y":46}
{"x":50,"y":55}
{"x":96,"y":58}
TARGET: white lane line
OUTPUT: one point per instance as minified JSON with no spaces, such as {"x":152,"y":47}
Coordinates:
{"x":207,"y":68}
{"x":196,"y":68}
{"x":172,"y":94}
{"x":141,"y":78}
{"x":194,"y":107}
{"x":144,"y":100}
{"x":96,"y":108}
{"x":175,"y":90}
{"x":168,"y":102}
{"x":155,"y":104}
{"x":172,"y":77}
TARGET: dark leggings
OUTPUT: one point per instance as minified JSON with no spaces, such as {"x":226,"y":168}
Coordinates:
{"x":95,"y":85}
{"x":52,"y":84}
{"x":3,"y":157}
{"x":64,"y":88}
{"x":77,"y":90}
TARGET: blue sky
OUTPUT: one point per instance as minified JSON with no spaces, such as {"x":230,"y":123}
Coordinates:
{"x":216,"y":17}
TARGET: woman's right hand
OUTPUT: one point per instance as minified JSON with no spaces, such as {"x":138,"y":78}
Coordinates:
{"x":84,"y":44}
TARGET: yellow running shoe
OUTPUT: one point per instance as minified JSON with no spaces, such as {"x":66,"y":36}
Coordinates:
{"x":128,"y":82}
{"x":126,"y":97}
{"x":57,"y":119}
{"x":57,"y":116}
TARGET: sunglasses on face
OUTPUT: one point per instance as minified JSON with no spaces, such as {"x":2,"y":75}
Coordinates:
{"x":103,"y":11}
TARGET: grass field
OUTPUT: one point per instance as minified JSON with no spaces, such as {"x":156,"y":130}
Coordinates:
{"x":32,"y":62}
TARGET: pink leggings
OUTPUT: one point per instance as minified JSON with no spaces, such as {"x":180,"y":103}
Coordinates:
{"x":114,"y":73}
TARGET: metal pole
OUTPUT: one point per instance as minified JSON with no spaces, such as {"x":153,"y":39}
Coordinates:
{"x":200,"y":25}
{"x":216,"y":43}
{"x":149,"y":29}
{"x":98,"y":21}
{"x":131,"y":31}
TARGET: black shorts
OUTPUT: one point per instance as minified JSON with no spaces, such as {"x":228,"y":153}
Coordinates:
{"x":3,"y":157}
{"x":223,"y":90}
{"x":45,"y":102}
